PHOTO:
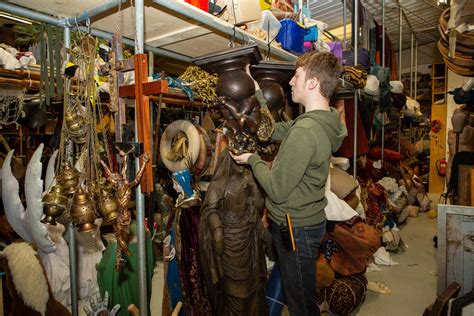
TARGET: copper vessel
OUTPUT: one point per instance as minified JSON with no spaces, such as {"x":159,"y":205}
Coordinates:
{"x":108,"y":205}
{"x":83,"y":211}
{"x":69,"y":179}
{"x":55,"y":202}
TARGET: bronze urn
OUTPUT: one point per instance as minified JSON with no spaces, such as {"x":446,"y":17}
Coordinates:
{"x":236,"y":91}
{"x":83,"y":211}
{"x":68,"y":179}
{"x":55,"y":202}
{"x":273,"y":79}
{"x":108,"y":204}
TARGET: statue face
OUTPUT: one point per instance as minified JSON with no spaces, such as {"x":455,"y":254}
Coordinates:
{"x":177,"y":187}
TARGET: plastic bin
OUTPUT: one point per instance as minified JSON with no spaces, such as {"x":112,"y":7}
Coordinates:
{"x":291,"y":36}
{"x":201,"y":4}
{"x":268,"y":23}
{"x":312,"y":36}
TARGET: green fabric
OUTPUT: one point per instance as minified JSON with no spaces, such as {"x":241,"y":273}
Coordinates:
{"x":296,"y":182}
{"x":122,"y":286}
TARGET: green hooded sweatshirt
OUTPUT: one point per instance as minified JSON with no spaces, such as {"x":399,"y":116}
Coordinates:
{"x":295,"y":184}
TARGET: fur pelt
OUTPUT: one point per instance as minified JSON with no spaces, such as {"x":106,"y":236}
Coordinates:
{"x":28,"y":276}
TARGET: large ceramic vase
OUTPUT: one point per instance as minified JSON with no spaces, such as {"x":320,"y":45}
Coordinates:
{"x":236,"y":92}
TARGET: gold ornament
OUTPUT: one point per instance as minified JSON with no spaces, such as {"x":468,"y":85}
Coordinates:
{"x":108,"y":205}
{"x":55,"y":202}
{"x":83,"y":211}
{"x":68,"y":179}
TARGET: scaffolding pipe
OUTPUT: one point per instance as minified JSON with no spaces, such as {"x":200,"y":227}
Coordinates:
{"x":140,"y":198}
{"x":383,"y":66}
{"x":411,"y":65}
{"x":400,"y":44}
{"x":218,"y":25}
{"x":88,"y":14}
{"x":416,"y":66}
{"x":355,"y":32}
{"x":41,"y":17}
{"x":70,"y":231}
{"x":344,"y":18}
{"x":155,"y":50}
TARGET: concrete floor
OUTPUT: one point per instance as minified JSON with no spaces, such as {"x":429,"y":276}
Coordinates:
{"x":412,"y":282}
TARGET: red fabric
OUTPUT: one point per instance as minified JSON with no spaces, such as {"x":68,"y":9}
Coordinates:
{"x":347,"y":147}
{"x":376,"y":153}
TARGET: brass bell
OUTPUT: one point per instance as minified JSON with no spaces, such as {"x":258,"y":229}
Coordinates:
{"x":54,"y":204}
{"x":83,"y":211}
{"x":68,"y":179}
{"x":108,"y":205}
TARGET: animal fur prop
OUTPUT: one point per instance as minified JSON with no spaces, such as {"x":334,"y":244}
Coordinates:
{"x":27,"y":283}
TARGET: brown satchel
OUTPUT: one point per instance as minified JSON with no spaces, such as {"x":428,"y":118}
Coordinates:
{"x":354,"y":245}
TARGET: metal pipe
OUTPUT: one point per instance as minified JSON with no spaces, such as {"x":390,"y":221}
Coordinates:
{"x":218,"y":25}
{"x":140,"y":198}
{"x":70,"y":230}
{"x":139,"y":26}
{"x":155,"y":50}
{"x":355,"y":31}
{"x":411,"y":65}
{"x":400,"y":42}
{"x":416,"y":66}
{"x":88,"y":14}
{"x":400,"y":46}
{"x":344,"y":18}
{"x":300,"y":7}
{"x":41,"y":17}
{"x":30,"y":14}
{"x":383,"y":66}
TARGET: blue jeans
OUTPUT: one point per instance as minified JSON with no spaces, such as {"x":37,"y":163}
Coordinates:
{"x":298,"y":269}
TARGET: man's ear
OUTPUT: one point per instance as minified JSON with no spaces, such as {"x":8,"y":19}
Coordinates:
{"x":313,"y":83}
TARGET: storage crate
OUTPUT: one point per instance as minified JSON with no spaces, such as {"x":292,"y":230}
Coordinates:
{"x":291,"y":36}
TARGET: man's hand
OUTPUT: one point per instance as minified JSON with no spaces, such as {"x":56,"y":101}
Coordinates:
{"x":241,"y":159}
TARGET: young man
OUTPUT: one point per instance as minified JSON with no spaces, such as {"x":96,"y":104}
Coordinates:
{"x":295,"y":183}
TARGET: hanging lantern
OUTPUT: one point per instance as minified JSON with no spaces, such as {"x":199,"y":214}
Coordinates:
{"x":55,"y":202}
{"x":83,"y":211}
{"x":68,"y":179}
{"x":108,"y":205}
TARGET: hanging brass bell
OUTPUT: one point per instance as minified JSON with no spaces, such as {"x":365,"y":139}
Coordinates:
{"x":68,"y":179}
{"x":55,"y":202}
{"x":108,"y":205}
{"x":83,"y":211}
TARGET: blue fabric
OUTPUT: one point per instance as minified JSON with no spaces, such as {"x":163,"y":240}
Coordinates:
{"x":298,"y":269}
{"x":178,"y":84}
{"x":274,"y":292}
{"x":172,"y":278}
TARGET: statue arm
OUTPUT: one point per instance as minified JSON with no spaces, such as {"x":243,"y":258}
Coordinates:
{"x":146,"y":158}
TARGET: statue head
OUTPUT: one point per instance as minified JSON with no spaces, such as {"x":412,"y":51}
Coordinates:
{"x":182,"y":182}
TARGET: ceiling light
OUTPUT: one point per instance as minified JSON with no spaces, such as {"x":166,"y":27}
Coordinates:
{"x":14,"y":18}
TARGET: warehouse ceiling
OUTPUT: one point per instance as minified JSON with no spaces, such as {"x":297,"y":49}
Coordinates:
{"x":419,"y":16}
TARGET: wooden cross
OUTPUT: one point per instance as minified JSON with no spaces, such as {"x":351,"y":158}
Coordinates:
{"x":140,"y":91}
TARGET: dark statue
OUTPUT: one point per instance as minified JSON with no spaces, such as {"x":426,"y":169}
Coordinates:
{"x":231,"y":241}
{"x":231,"y":231}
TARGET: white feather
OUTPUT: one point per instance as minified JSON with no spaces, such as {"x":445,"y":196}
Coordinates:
{"x":33,"y":194}
{"x":48,"y":181}
{"x":14,"y":208}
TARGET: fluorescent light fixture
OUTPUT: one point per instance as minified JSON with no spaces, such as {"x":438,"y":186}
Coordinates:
{"x":14,"y":18}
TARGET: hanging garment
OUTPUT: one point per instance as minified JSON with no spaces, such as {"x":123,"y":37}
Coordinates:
{"x":122,"y":285}
{"x":347,"y":147}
